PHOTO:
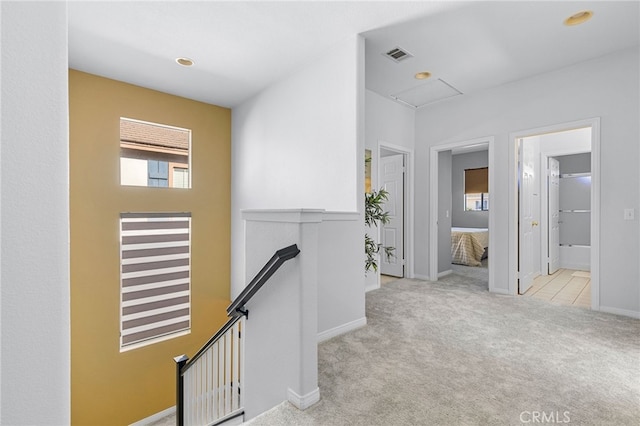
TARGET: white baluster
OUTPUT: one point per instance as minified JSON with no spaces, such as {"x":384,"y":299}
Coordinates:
{"x":234,"y":367}
{"x":221,"y":378}
{"x":214,"y":380}
{"x":227,"y":372}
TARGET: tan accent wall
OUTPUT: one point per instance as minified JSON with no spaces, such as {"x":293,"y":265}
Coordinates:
{"x":109,"y":387}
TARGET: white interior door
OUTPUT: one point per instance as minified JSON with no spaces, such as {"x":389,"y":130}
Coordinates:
{"x":554,"y":215}
{"x":526,"y":216}
{"x":392,"y":234}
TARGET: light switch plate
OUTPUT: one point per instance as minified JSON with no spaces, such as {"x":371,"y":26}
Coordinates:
{"x":629,"y":214}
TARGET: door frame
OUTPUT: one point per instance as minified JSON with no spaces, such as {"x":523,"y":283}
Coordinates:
{"x":594,"y":123}
{"x":433,"y":203}
{"x":408,"y":219}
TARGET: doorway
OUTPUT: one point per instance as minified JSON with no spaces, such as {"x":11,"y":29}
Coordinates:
{"x":556,"y":203}
{"x":440,"y":218}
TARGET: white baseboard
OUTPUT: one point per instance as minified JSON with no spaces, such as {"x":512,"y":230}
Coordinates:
{"x":305,"y":401}
{"x":421,"y":277}
{"x":445,"y":273}
{"x":155,"y":417}
{"x":371,"y":287}
{"x":577,"y":266}
{"x":341,"y":329}
{"x":499,"y":291}
{"x":618,"y":311}
{"x":233,"y":419}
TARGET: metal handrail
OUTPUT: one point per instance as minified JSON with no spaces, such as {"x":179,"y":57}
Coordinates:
{"x":235,"y":311}
{"x":237,"y":307}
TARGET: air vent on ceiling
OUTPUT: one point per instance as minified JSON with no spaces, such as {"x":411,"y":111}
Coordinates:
{"x":398,"y":54}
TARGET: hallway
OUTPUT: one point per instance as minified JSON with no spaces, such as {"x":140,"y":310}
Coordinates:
{"x":449,"y":352}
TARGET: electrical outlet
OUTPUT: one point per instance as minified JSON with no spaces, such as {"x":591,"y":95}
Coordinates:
{"x":629,"y":214}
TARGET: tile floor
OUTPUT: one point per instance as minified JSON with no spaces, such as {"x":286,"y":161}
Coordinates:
{"x":386,"y":279}
{"x":565,"y":287}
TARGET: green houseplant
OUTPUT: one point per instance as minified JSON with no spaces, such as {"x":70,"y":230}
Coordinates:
{"x":374,"y":214}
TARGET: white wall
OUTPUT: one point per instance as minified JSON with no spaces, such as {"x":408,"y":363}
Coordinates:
{"x":607,"y":87}
{"x":560,"y":143}
{"x":298,"y":144}
{"x":387,"y":123}
{"x":34,"y":211}
{"x":340,"y":279}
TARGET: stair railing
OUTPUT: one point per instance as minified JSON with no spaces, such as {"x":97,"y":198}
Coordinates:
{"x":209,"y":385}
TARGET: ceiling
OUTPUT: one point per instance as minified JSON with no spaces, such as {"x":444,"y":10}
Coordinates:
{"x":487,"y":44}
{"x":240,"y":48}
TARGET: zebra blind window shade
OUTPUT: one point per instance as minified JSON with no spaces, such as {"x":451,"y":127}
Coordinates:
{"x":155,"y":277}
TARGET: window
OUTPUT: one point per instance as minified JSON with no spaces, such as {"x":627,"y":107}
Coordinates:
{"x":476,"y":189}
{"x":476,"y":202}
{"x":155,"y":293}
{"x":151,"y":153}
{"x":180,"y":177}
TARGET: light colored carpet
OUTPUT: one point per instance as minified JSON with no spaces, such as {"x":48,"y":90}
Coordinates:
{"x":479,"y":274}
{"x":450,"y":353}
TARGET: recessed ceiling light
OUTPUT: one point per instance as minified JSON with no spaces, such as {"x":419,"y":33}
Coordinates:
{"x":423,"y":75}
{"x":578,"y":18}
{"x":185,"y":62}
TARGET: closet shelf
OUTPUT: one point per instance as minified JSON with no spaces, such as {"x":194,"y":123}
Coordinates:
{"x":574,"y":211}
{"x":575,"y":175}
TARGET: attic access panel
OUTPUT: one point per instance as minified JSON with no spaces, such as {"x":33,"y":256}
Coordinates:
{"x":427,"y":93}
